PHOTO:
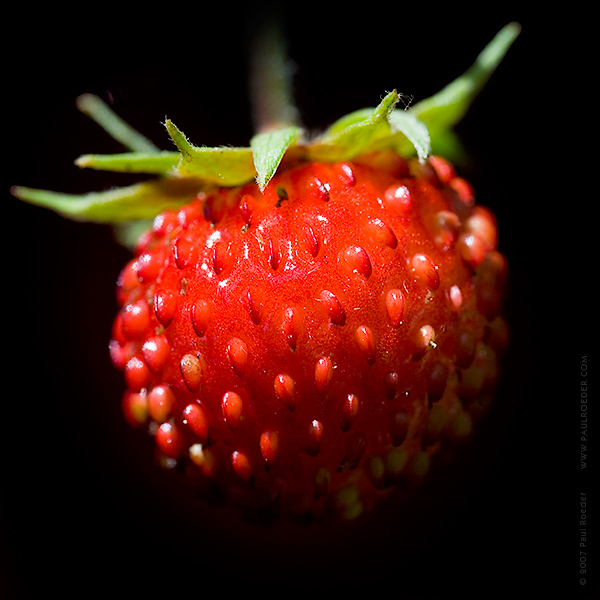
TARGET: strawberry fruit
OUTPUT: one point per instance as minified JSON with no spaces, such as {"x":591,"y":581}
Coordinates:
{"x":305,"y":324}
{"x":323,"y":337}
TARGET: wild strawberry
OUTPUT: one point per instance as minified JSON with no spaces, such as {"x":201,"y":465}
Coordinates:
{"x":307,"y":325}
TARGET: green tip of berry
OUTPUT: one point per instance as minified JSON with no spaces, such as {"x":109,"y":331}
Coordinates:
{"x":419,"y":130}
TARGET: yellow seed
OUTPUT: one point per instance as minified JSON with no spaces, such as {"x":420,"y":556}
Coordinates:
{"x":346,"y":497}
{"x":376,"y":471}
{"x":352,"y":512}
{"x":419,"y":464}
{"x":460,"y":428}
{"x":436,"y":421}
{"x":395,"y":461}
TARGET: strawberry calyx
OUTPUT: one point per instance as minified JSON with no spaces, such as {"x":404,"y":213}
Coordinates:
{"x":419,"y":130}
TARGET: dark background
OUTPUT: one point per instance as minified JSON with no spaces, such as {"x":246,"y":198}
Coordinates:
{"x":84,"y":507}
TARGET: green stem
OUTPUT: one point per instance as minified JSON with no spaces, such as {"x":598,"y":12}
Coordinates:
{"x":271,"y":80}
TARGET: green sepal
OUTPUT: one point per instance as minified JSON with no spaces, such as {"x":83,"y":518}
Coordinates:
{"x":354,"y":134}
{"x":224,"y":166}
{"x":155,"y":163}
{"x":370,"y":129}
{"x":128,"y":233}
{"x":409,"y":134}
{"x":95,"y":108}
{"x":440,"y":112}
{"x":182,"y":174}
{"x":138,"y":201}
{"x":354,"y":118}
{"x":268,"y":149}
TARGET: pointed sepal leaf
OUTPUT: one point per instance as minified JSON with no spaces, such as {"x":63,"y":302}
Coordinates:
{"x":154,"y":163}
{"x":412,"y":132}
{"x":421,"y":129}
{"x":353,"y":134}
{"x":95,"y":108}
{"x":443,"y":110}
{"x":268,"y":149}
{"x":225,"y":166}
{"x":138,"y":201}
{"x":354,"y":118}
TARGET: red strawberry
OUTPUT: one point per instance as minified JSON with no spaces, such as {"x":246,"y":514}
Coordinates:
{"x":309,"y":345}
{"x":306,"y":325}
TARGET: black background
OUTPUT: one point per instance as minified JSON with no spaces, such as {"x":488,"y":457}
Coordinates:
{"x":84,"y":506}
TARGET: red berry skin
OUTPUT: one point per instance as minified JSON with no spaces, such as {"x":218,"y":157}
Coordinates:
{"x":310,"y":347}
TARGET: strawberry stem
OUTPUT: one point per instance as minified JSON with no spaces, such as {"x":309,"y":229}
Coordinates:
{"x":270,"y":80}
